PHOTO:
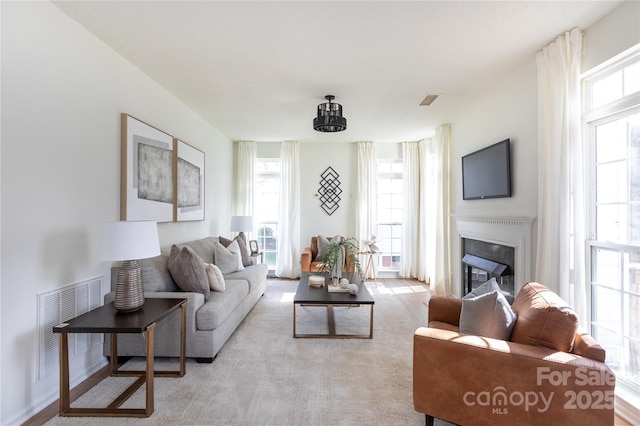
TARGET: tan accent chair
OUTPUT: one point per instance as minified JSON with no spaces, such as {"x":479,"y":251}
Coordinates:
{"x":474,"y":380}
{"x":308,"y":262}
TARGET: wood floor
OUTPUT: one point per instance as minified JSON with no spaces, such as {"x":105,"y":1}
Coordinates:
{"x":384,"y":284}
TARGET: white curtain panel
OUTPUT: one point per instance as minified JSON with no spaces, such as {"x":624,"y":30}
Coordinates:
{"x":243,"y":203}
{"x":437,"y":211}
{"x":414,"y":247}
{"x":366,"y":201}
{"x":288,"y":265}
{"x":560,"y":259}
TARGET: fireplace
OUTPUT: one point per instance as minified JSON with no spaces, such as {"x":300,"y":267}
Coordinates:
{"x":494,"y":246}
{"x":482,"y":260}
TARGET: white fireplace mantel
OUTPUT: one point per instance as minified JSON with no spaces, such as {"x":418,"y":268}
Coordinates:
{"x":508,"y":231}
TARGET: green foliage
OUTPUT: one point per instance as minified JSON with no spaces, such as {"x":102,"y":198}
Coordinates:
{"x":334,"y":255}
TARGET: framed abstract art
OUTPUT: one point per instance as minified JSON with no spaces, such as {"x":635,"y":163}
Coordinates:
{"x":189,"y":183}
{"x":146,"y":181}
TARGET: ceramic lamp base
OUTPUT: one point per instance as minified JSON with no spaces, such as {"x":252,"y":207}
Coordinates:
{"x":129,"y":292}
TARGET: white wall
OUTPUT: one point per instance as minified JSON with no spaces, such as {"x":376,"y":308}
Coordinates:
{"x":62,"y":94}
{"x":314,"y":160}
{"x":611,"y":35}
{"x":315,"y":157}
{"x":505,"y":111}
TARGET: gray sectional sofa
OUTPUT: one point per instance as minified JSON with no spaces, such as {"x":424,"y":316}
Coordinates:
{"x":209,"y":324}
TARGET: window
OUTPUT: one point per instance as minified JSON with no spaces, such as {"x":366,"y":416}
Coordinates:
{"x":266,"y":201}
{"x":612,"y":120}
{"x":389,"y":213}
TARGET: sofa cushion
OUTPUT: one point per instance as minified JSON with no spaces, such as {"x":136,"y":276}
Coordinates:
{"x":484,"y":288}
{"x":254,"y":275}
{"x":220,"y":305}
{"x":155,"y":273}
{"x":216,"y":280}
{"x":187,"y":269}
{"x":204,"y":248}
{"x":487,"y":315}
{"x":543,"y":319}
{"x":226,"y":260}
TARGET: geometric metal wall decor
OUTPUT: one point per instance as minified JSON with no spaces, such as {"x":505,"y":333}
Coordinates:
{"x":329,"y":191}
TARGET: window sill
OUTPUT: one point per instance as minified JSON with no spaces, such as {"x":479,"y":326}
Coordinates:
{"x":627,"y":403}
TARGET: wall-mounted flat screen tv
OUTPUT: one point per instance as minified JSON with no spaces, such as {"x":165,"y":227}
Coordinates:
{"x":487,"y":173}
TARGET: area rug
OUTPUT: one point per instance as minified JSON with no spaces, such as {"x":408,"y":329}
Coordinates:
{"x":263,"y":376}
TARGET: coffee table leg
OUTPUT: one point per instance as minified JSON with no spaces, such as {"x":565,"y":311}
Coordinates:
{"x":371,"y":324}
{"x":331,"y":321}
{"x":294,"y":321}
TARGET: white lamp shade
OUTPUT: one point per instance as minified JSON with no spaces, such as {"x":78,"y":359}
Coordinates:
{"x":241,"y":224}
{"x":129,"y":240}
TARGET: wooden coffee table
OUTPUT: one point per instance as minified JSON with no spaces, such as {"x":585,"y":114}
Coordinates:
{"x":106,"y":319}
{"x":312,"y":296}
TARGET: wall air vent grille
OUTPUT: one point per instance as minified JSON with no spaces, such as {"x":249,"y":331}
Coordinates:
{"x":60,"y":305}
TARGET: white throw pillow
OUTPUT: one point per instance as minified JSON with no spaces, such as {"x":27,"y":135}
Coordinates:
{"x":226,"y":260}
{"x":216,"y":279}
{"x":235,"y":248}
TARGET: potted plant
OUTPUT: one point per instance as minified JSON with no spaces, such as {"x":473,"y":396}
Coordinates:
{"x":339,"y":250}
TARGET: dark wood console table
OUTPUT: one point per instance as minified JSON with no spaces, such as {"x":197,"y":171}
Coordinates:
{"x":106,"y":319}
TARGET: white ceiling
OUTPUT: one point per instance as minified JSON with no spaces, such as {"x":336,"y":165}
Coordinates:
{"x":258,"y":70}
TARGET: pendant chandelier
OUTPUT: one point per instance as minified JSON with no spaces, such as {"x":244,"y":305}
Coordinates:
{"x":329,"y":117}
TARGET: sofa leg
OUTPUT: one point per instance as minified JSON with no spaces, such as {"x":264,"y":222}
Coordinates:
{"x":204,"y":360}
{"x":428,"y":420}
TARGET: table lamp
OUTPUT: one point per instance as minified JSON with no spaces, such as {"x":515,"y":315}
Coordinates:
{"x":127,"y":242}
{"x":241,"y":224}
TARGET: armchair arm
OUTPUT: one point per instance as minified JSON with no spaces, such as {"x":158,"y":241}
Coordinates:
{"x":305,"y":259}
{"x":585,"y":345}
{"x":445,"y":309}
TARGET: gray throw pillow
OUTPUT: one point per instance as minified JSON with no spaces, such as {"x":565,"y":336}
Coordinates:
{"x":487,"y":287}
{"x":187,"y":270}
{"x":226,"y":260}
{"x":488,"y":315}
{"x":244,"y":249}
{"x":323,"y":243}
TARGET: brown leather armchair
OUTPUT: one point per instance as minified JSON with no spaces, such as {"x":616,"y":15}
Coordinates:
{"x":474,"y":380}
{"x":308,"y":262}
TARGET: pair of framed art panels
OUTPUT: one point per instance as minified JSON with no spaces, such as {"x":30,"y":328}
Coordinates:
{"x":162,"y":177}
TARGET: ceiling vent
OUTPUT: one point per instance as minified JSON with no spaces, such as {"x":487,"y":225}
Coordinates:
{"x":428,"y":100}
